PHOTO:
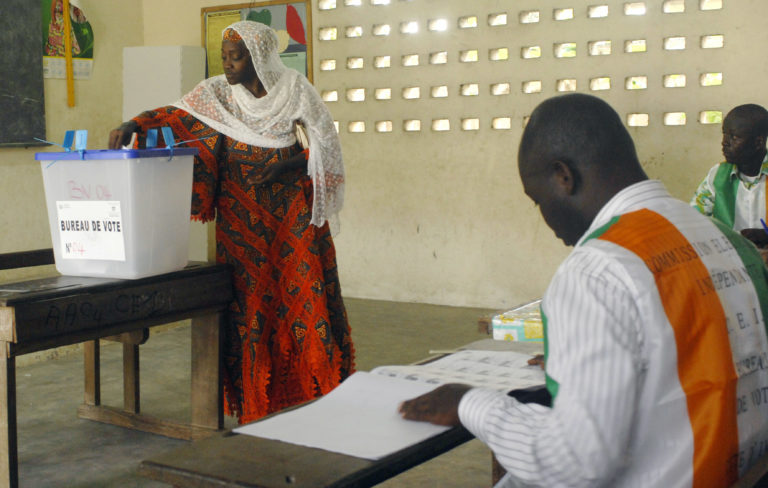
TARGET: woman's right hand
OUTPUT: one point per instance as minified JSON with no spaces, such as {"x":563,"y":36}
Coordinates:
{"x":122,"y":135}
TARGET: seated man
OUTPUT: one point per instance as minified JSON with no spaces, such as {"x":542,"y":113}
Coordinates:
{"x":655,"y":337}
{"x":734,"y":191}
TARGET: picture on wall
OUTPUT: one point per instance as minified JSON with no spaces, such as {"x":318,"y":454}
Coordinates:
{"x":81,"y":38}
{"x":289,"y":19}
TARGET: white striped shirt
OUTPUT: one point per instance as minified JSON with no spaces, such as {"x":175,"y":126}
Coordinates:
{"x":614,"y":421}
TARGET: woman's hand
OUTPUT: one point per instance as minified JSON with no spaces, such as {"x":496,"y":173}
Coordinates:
{"x":268,"y":175}
{"x":273,"y":171}
{"x":122,"y":135}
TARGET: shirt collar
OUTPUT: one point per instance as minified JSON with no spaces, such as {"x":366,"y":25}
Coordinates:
{"x":631,"y":198}
{"x":763,"y":168}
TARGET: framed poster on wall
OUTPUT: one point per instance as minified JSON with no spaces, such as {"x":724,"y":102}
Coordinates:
{"x":291,"y":20}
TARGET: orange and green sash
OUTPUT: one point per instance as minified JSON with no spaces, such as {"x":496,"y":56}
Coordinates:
{"x":704,"y":358}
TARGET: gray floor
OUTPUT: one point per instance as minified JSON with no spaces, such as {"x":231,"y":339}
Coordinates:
{"x":56,"y":449}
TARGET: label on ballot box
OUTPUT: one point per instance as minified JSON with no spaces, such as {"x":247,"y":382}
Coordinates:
{"x":520,"y":324}
{"x":91,"y":230}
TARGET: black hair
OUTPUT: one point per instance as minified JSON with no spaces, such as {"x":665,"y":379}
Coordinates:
{"x":580,"y":130}
{"x":756,"y":115}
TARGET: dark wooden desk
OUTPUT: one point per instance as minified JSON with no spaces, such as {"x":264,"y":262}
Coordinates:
{"x":62,"y":310}
{"x":234,"y":460}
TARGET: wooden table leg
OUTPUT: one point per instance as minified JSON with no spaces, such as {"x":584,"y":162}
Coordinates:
{"x":130,"y":341}
{"x":92,"y":373}
{"x":9,"y":462}
{"x":131,"y":398}
{"x":207,"y":408}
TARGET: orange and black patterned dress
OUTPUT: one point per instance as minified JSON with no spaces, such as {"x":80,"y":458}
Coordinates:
{"x":287,"y":339}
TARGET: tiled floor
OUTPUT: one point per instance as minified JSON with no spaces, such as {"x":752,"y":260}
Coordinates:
{"x":56,"y":449}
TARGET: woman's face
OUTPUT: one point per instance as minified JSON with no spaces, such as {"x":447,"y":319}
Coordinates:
{"x":236,"y":61}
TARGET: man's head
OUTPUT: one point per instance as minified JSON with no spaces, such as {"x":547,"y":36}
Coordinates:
{"x":574,"y":156}
{"x":744,"y":133}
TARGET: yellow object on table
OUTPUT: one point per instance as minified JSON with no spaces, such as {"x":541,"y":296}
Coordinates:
{"x":522,"y":323}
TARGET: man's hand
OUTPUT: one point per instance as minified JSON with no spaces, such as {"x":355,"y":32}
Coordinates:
{"x":758,"y":236}
{"x":122,"y":135}
{"x":537,"y":360}
{"x":440,"y":406}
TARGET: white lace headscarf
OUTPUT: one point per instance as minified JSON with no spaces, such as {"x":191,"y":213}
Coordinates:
{"x":270,"y":121}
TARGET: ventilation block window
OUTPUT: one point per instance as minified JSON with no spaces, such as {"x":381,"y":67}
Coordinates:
{"x":637,"y":120}
{"x":356,"y":126}
{"x":635,"y":46}
{"x":384,"y":126}
{"x":636,"y":83}
{"x":330,"y":96}
{"x":597,"y":11}
{"x":356,"y":94}
{"x":711,"y":117}
{"x":599,"y":48}
{"x":327,"y":64}
{"x":412,"y":125}
{"x":353,"y":31}
{"x":529,"y":17}
{"x":674,"y":118}
{"x":674,"y":81}
{"x":382,"y":61}
{"x":327,"y":33}
{"x":634,"y":8}
{"x":533,"y":86}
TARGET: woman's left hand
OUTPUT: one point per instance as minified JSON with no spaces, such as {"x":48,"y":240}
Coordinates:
{"x":267,"y":175}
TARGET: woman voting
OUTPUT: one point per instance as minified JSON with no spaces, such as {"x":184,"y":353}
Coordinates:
{"x":287,"y":339}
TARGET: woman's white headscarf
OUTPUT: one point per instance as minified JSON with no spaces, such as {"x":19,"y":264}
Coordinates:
{"x":270,"y":121}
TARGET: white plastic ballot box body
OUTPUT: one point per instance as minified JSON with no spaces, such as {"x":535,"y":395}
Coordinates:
{"x":119,"y":213}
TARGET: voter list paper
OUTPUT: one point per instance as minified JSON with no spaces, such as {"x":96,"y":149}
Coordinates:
{"x":360,"y":417}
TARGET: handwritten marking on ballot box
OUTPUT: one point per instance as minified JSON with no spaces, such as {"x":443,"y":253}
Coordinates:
{"x":83,"y":191}
{"x":91,"y":230}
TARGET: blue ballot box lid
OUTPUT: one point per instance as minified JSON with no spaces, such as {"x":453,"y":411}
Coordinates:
{"x":116,"y":154}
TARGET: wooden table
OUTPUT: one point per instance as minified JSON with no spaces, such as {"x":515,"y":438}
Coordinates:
{"x":233,"y":460}
{"x":60,"y":310}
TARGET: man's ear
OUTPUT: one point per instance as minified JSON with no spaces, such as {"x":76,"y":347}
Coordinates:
{"x":566,"y":177}
{"x":760,"y":142}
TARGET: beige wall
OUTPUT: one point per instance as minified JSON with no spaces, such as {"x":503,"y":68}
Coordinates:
{"x":98,"y":106}
{"x":440,"y":217}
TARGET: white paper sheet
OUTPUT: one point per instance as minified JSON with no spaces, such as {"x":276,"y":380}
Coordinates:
{"x":358,"y":418}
